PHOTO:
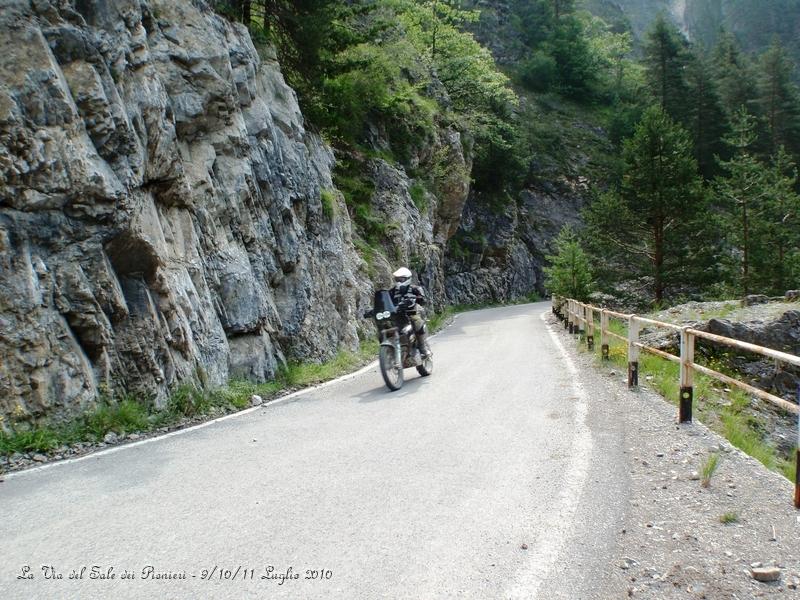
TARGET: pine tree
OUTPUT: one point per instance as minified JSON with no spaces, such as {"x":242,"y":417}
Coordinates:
{"x":742,"y":193}
{"x":666,"y":59}
{"x":569,"y":274}
{"x":781,"y":223}
{"x":646,"y":228}
{"x":779,"y":100}
{"x":707,"y":121}
{"x":733,"y":76}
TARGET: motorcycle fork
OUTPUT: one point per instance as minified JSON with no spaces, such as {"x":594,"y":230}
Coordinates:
{"x":398,"y":353}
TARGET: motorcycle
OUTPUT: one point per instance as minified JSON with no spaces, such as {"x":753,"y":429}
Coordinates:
{"x":398,"y":349}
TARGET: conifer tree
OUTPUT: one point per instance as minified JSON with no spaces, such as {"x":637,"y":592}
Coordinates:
{"x":647,"y":227}
{"x":779,"y":100}
{"x":569,"y":274}
{"x":707,"y":122}
{"x":666,"y":59}
{"x":742,"y":193}
{"x":781,"y":223}
{"x":733,"y":75}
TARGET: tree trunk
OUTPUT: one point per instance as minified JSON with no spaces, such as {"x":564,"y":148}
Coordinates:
{"x":745,"y":250}
{"x":658,"y":262}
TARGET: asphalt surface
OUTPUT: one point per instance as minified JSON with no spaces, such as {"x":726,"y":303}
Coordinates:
{"x":481,"y":481}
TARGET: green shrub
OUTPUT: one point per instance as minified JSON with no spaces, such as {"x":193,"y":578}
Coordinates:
{"x":36,"y":440}
{"x":419,"y":197}
{"x":328,"y":200}
{"x":539,"y":72}
{"x":120,"y":417}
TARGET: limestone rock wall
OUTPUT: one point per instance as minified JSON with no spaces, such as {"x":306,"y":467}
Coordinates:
{"x":499,"y":250}
{"x":160,"y":212}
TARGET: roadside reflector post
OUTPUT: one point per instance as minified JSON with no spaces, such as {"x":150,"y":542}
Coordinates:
{"x":633,"y":352}
{"x":687,"y":377}
{"x":590,"y":328}
{"x":604,"y":334}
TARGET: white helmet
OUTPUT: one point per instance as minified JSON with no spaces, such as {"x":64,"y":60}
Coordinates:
{"x":402,"y":278}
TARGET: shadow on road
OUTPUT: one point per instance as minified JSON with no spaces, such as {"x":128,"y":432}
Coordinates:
{"x":381,"y":392}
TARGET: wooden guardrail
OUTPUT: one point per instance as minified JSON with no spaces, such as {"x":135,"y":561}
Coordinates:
{"x":579,"y":318}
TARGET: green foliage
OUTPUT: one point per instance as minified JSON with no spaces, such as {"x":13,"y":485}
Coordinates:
{"x":727,"y":416}
{"x":569,"y":274}
{"x":358,"y":189}
{"x":740,"y":432}
{"x":560,"y":55}
{"x":538,"y":72}
{"x":733,"y":76}
{"x":728,"y":518}
{"x":647,"y":227}
{"x":779,"y":100}
{"x":328,"y":200}
{"x":761,"y":212}
{"x":666,"y":58}
{"x":419,"y":197}
{"x":708,"y":469}
{"x":705,"y":117}
{"x":36,"y":440}
{"x":127,"y":415}
{"x":120,"y":417}
{"x":304,"y":374}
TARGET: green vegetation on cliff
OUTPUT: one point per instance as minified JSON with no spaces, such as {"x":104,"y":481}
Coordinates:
{"x":386,"y":78}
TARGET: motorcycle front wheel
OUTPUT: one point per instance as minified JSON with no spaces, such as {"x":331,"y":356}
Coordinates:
{"x":392,"y":372}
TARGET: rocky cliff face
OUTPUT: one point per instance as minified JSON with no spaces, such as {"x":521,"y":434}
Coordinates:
{"x":160,"y":212}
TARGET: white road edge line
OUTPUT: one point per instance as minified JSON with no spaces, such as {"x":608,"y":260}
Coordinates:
{"x":246,"y":411}
{"x":550,"y":544}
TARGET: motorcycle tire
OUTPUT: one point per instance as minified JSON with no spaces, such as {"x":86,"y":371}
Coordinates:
{"x":391,"y":372}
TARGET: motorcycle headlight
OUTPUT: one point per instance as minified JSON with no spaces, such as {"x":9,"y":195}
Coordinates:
{"x":386,"y":315}
{"x":379,"y":316}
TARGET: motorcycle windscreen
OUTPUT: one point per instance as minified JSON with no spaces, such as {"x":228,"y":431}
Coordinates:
{"x":383,"y":302}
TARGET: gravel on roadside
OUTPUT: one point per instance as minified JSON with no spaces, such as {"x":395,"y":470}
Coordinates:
{"x":673,"y":542}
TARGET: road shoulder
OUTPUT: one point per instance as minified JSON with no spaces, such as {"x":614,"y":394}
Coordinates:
{"x":653,"y":530}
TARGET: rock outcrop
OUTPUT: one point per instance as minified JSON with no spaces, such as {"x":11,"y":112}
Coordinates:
{"x":160,"y":213}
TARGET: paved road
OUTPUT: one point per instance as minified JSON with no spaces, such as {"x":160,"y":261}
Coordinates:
{"x":469,"y":483}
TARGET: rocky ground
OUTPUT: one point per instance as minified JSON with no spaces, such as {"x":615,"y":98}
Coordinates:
{"x":673,"y":543}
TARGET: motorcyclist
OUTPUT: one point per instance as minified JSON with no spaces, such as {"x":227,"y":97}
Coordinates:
{"x":408,"y":297}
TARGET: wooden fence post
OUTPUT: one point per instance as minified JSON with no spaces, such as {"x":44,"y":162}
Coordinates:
{"x":687,"y":377}
{"x":572,"y":316}
{"x":797,"y":458}
{"x":633,"y":352}
{"x":604,"y":334}
{"x":568,"y":322}
{"x":590,"y":328}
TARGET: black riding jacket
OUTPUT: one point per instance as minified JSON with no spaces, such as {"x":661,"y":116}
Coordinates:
{"x":412,"y":292}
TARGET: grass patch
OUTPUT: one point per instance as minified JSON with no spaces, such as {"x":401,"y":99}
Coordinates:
{"x":126,"y":414}
{"x":728,"y":518}
{"x":328,"y":200}
{"x":303,"y":374}
{"x":419,"y":197}
{"x":740,"y":432}
{"x":708,"y":469}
